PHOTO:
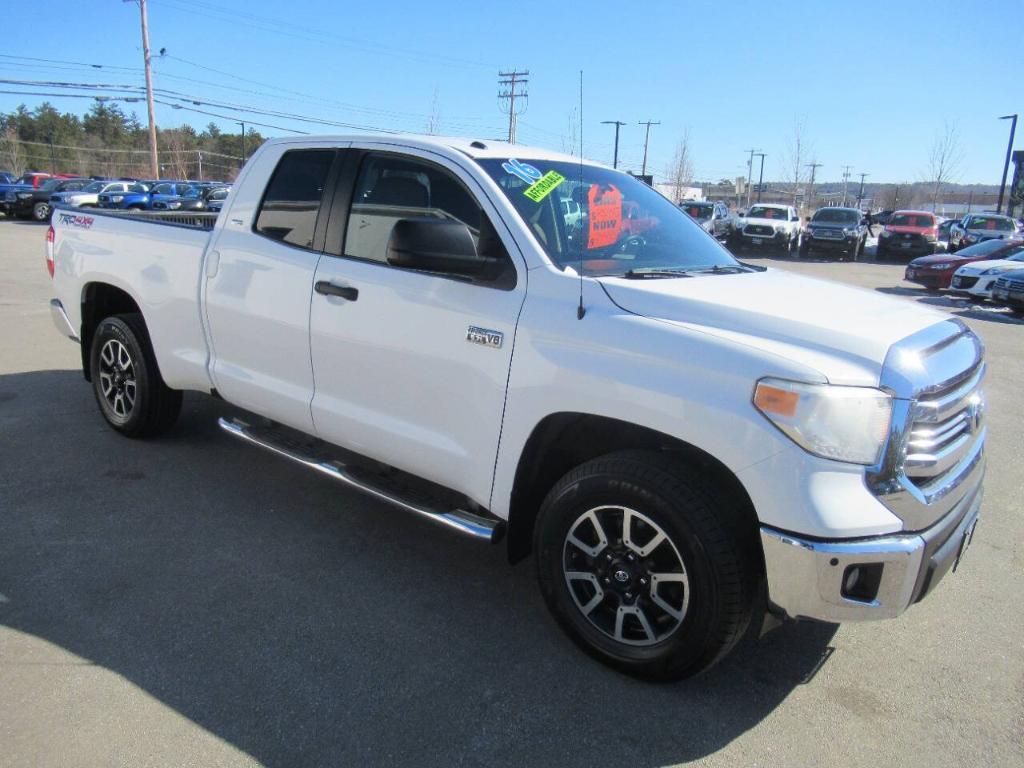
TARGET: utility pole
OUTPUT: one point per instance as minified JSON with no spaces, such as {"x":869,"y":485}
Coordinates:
{"x":760,"y":180}
{"x":510,"y":81}
{"x":810,"y":193}
{"x":846,"y":179}
{"x":243,"y":142}
{"x":896,"y":199}
{"x":53,"y":157}
{"x":199,"y":154}
{"x":154,"y":167}
{"x":1006,"y":165}
{"x":750,"y":172}
{"x":647,"y":136}
{"x":860,"y":194}
{"x":617,"y":124}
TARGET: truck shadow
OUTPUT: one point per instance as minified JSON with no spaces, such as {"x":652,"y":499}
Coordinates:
{"x":306,"y":624}
{"x":961,"y":307}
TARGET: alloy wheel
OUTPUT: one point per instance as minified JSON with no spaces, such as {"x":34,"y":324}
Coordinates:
{"x":117,"y":378}
{"x":625,"y":575}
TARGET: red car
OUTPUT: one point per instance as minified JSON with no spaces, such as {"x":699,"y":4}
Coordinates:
{"x":936,"y":271}
{"x":908,"y":233}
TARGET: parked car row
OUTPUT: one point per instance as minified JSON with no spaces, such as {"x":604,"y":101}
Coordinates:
{"x":992,"y":270}
{"x":24,"y":200}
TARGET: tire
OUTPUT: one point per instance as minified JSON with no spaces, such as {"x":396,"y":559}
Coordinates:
{"x":41,"y":211}
{"x":121,"y":362}
{"x":706,"y":578}
{"x":858,"y":249}
{"x":805,"y":248}
{"x":880,"y":251}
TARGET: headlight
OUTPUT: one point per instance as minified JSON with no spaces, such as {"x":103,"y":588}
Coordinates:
{"x":885,"y":233}
{"x":930,"y":238}
{"x":840,"y":423}
{"x":999,"y":270}
{"x":940,"y":266}
{"x":849,"y":231}
{"x":24,"y":195}
{"x":174,"y":205}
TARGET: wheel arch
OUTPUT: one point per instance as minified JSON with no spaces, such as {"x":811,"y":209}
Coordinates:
{"x":101,"y":300}
{"x":565,"y":440}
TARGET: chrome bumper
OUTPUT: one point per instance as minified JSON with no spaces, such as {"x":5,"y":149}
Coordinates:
{"x":807,"y":579}
{"x":61,"y":321}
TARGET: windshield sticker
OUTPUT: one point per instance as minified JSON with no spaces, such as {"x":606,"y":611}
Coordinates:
{"x":543,"y":186}
{"x":524,"y":171}
{"x":605,"y":216}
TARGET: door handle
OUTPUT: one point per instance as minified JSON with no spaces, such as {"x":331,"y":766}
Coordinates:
{"x":326,"y":288}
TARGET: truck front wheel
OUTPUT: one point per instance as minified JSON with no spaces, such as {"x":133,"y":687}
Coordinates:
{"x":638,"y":565}
{"x":129,"y":390}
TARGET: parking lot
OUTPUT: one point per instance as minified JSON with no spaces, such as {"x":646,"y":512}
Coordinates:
{"x":194,"y":601}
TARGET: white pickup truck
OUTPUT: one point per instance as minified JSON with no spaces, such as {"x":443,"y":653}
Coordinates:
{"x":687,"y":445}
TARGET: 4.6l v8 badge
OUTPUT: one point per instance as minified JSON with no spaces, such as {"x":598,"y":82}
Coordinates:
{"x":484,"y":336}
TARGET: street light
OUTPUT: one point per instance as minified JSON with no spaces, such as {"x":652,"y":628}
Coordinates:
{"x":617,"y":124}
{"x":760,"y":180}
{"x":1006,"y":165}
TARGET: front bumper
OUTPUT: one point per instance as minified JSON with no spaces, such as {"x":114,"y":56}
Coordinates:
{"x":845,"y":243}
{"x":1010,"y":298}
{"x":61,"y":321}
{"x":817,"y":579}
{"x":929,"y":278}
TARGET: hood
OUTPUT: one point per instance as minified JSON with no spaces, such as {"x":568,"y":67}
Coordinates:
{"x":977,"y":267}
{"x":944,"y":258}
{"x":844,"y":333}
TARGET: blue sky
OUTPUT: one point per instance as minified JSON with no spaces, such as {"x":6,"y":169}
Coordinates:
{"x":873,"y":82}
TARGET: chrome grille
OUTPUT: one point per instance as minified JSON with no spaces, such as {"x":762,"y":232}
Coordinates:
{"x":759,"y":229}
{"x":934,"y":456}
{"x":945,"y":424}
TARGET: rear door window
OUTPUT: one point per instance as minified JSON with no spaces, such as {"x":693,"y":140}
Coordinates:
{"x":291,"y":203}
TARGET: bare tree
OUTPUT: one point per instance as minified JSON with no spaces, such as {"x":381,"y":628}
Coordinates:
{"x":796,"y":156}
{"x":434,"y":121}
{"x":177,"y":156}
{"x":13,"y":157}
{"x":680,"y":170}
{"x":945,"y":161}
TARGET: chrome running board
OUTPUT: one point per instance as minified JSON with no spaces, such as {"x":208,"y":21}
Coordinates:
{"x":274,"y":439}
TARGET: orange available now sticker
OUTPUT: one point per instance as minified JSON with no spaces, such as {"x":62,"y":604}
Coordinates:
{"x":605,"y":215}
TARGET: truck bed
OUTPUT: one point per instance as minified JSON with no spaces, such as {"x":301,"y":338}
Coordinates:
{"x":157,"y":259}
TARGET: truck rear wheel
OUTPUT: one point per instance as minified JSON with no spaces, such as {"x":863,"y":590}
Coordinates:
{"x":638,"y":565}
{"x":129,"y":390}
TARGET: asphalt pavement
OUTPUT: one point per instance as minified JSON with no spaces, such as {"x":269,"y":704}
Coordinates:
{"x":192,"y":601}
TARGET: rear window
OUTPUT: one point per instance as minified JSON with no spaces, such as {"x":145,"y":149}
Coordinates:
{"x":699,"y":211}
{"x":911,"y":220}
{"x":292,"y":200}
{"x":997,"y":223}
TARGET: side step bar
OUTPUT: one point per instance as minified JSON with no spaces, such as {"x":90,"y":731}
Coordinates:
{"x":486,"y":529}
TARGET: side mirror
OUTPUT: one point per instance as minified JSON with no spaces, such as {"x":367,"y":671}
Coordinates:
{"x":439,"y":245}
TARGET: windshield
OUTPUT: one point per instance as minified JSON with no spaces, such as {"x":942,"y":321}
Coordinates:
{"x":48,"y":186}
{"x":838,"y":216}
{"x":998,"y":223}
{"x":96,"y":186}
{"x":188,"y":192}
{"x":621,"y":226}
{"x":699,"y":212}
{"x":764,"y":212}
{"x":911,"y":220}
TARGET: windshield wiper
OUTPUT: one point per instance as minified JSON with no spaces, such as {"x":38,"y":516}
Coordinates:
{"x":654,"y":272}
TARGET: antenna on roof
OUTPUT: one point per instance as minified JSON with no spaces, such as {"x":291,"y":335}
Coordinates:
{"x":581,"y":310}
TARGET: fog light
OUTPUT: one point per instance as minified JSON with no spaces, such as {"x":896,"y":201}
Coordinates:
{"x":861,"y":581}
